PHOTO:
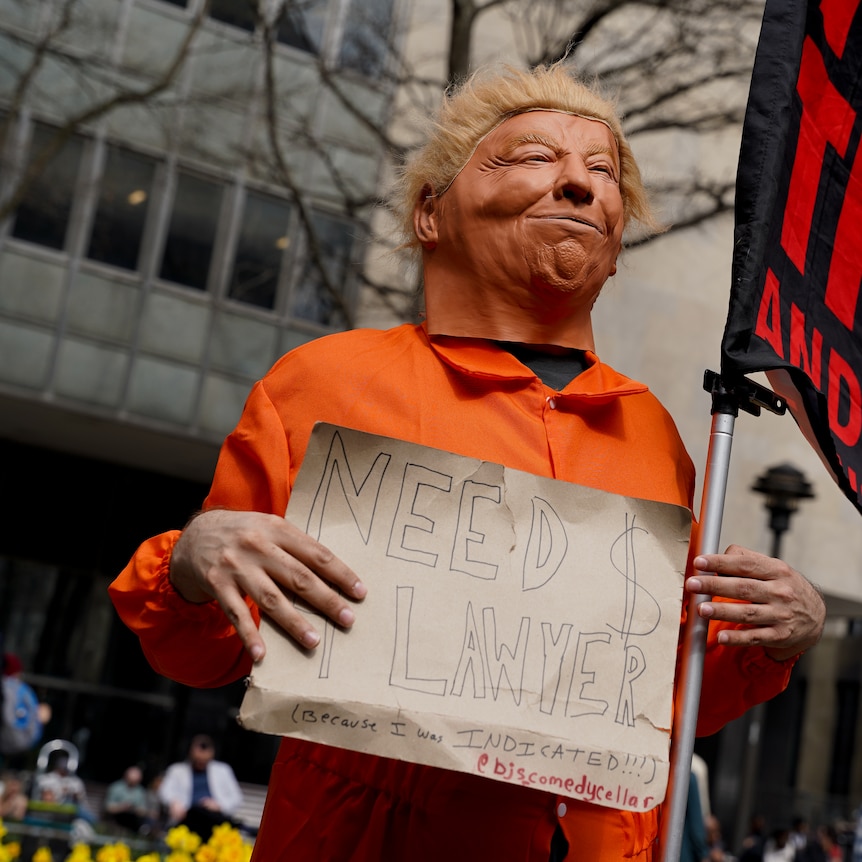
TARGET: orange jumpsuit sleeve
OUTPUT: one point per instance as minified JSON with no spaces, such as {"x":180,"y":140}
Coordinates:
{"x":195,"y":644}
{"x":735,"y":679}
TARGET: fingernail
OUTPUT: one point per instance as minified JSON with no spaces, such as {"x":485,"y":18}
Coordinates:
{"x":347,"y":617}
{"x":256,"y":653}
{"x":705,"y":610}
{"x":311,"y":638}
{"x":694,"y":585}
{"x":359,"y":590}
{"x":699,"y":562}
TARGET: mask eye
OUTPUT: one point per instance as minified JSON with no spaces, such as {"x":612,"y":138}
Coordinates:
{"x":542,"y":158}
{"x":603,"y":168}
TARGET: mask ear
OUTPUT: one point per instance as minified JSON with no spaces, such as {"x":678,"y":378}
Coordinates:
{"x":425,"y":218}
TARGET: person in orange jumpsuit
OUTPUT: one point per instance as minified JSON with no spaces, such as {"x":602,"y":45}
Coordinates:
{"x":517,"y":206}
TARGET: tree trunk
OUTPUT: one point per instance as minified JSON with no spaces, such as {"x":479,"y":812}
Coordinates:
{"x":460,"y":33}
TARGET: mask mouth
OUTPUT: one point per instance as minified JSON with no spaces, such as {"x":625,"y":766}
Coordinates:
{"x":571,"y":218}
{"x":508,"y":116}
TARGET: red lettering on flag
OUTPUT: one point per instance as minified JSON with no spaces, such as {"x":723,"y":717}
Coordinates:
{"x":826,"y":119}
{"x":845,"y":269}
{"x":799,"y":356}
{"x":837,"y":18}
{"x":841,"y":377}
{"x":796,"y":300}
{"x":768,"y":325}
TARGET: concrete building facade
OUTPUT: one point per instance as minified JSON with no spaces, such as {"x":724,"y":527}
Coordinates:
{"x":154,"y":265}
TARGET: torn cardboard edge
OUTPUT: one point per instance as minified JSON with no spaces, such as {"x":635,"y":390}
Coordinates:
{"x":516,"y":627}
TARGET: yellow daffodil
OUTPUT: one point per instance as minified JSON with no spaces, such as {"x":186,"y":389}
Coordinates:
{"x":207,"y":853}
{"x":183,"y":839}
{"x":226,"y":844}
{"x":114,"y":853}
{"x":225,"y":835}
{"x":10,"y":851}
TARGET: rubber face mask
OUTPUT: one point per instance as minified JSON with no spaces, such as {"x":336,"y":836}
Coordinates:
{"x":521,"y":243}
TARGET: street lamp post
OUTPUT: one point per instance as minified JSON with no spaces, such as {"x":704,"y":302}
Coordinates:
{"x":783,"y":486}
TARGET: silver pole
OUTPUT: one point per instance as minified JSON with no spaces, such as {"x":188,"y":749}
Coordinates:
{"x":694,"y":641}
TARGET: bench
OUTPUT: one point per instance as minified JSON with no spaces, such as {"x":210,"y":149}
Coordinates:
{"x":251,"y":810}
{"x":38,"y":830}
{"x":248,"y":814}
{"x":59,"y":838}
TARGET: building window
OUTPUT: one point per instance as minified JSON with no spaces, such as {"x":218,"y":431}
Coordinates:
{"x":300,"y":24}
{"x":312,"y":299}
{"x":365,"y":46}
{"x":262,"y":243}
{"x":121,"y":210}
{"x":237,"y":13}
{"x":192,"y":231}
{"x":43,"y":214}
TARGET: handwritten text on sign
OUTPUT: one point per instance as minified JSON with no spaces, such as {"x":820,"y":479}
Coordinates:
{"x":516,"y":627}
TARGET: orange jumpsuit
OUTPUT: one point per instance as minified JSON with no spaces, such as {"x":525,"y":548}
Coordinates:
{"x":472,"y":398}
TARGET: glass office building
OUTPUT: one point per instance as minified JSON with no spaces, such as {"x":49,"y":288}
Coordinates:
{"x":155,"y":260}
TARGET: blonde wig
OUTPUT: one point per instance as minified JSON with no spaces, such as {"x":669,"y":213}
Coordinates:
{"x":486,"y":99}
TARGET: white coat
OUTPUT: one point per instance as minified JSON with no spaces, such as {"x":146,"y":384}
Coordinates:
{"x":224,"y":788}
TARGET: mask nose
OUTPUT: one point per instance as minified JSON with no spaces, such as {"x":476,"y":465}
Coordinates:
{"x":574,"y":182}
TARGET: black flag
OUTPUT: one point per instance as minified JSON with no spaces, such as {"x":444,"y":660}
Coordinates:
{"x":797,"y":260}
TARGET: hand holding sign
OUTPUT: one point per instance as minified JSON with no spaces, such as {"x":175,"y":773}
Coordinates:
{"x":227,"y":555}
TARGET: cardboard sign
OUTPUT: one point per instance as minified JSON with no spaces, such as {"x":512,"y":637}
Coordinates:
{"x":516,"y":627}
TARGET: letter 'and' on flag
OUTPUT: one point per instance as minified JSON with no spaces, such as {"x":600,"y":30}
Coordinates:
{"x":797,"y":261}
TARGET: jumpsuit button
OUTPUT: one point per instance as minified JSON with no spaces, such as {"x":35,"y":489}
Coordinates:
{"x":561,"y":809}
{"x":552,"y":402}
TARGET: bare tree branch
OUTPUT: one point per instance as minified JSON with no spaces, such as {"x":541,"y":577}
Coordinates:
{"x":40,"y":50}
{"x":675,"y":66}
{"x":76,"y":121}
{"x":285,"y":175}
{"x":465,"y":13}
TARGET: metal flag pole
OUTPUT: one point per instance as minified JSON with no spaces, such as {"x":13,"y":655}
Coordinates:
{"x":727,"y":400}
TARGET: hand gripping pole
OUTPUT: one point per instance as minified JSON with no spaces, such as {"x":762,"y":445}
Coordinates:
{"x":728,"y":398}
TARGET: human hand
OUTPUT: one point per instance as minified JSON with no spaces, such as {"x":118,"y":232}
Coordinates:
{"x":227,"y":555}
{"x":778,"y":607}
